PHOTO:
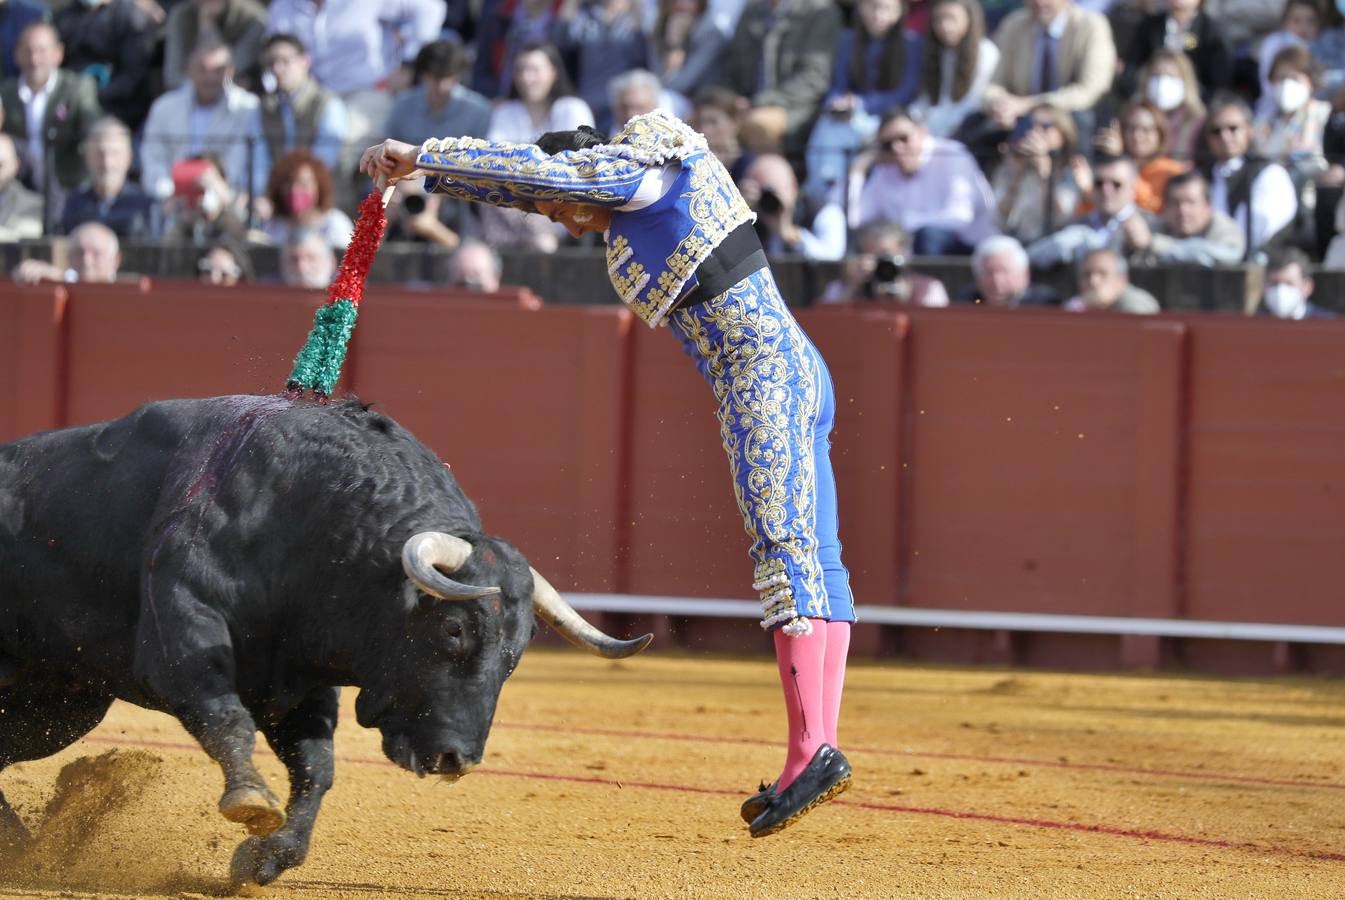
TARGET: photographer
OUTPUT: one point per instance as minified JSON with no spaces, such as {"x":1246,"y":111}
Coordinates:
{"x":416,"y":216}
{"x":878,"y":272}
{"x":787,"y":223}
{"x":1037,"y":187}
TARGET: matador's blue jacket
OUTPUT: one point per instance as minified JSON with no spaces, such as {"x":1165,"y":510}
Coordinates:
{"x":652,"y":252}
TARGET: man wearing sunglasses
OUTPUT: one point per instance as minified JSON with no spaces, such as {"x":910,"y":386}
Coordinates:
{"x":1256,"y":193}
{"x":930,"y":186}
{"x":1115,"y":223}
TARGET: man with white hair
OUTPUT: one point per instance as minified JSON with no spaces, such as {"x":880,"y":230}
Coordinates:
{"x":307,"y":260}
{"x":107,"y":195}
{"x":637,"y":92}
{"x":94,"y":255}
{"x":475,"y":266}
{"x":1003,"y":278}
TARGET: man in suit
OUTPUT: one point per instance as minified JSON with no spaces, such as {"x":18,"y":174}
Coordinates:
{"x":48,"y":110}
{"x":1051,"y":51}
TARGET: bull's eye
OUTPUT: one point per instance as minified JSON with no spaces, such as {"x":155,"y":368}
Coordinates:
{"x":453,"y":628}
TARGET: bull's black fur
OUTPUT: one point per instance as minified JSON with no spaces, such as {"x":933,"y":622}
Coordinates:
{"x":232,"y":561}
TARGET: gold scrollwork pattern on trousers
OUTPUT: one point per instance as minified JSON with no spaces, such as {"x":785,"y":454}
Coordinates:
{"x":767,"y":384}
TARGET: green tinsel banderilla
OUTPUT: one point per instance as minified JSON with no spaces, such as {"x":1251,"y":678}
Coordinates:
{"x":318,"y":365}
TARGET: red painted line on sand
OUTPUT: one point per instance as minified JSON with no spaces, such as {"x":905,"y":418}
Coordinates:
{"x":930,"y":754}
{"x":967,"y":815}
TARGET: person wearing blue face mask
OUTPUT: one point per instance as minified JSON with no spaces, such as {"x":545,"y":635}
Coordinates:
{"x":1288,"y":290}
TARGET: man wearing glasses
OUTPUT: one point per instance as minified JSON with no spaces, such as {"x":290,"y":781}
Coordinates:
{"x":929,"y":186}
{"x":1115,"y":223}
{"x":1256,"y":193}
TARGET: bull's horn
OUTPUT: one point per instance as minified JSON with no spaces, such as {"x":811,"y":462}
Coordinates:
{"x":427,"y":556}
{"x":552,"y":609}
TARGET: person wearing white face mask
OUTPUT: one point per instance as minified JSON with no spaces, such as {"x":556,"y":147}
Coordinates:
{"x":1169,"y":82}
{"x":1292,"y":133}
{"x":1184,"y":27}
{"x":1289,"y":287}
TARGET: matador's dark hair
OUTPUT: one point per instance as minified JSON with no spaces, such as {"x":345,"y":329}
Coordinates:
{"x":582,"y":138}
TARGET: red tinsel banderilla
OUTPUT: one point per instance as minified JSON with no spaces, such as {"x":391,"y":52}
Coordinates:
{"x":318,"y":365}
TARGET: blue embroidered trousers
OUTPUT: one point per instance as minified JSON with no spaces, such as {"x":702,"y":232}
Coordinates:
{"x":776,"y":410}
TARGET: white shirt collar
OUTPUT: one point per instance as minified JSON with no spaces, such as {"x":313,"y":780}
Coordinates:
{"x":1057,"y":27}
{"x":1234,"y":165}
{"x":26,"y":94}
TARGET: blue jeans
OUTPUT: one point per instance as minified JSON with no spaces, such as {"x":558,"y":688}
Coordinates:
{"x":935,"y":241}
{"x":776,"y":411}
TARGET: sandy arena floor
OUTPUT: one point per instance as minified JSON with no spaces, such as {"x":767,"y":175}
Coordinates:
{"x":623,"y":780}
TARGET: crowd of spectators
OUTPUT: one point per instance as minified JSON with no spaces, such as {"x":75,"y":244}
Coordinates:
{"x":1029,"y":136}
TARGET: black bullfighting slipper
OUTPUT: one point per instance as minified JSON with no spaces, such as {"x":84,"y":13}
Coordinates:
{"x":755,"y":805}
{"x":827,"y":776}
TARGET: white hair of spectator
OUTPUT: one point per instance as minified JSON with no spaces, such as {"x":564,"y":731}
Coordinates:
{"x":467,"y":265}
{"x":997,"y":245}
{"x":635,"y":78}
{"x":95,"y":228}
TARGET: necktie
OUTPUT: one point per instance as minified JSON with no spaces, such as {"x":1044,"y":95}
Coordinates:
{"x":1046,"y":75}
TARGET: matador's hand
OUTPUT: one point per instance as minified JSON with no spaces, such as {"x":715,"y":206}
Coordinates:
{"x":394,"y":160}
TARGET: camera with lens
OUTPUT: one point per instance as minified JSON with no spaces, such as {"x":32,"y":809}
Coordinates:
{"x":886,"y":280}
{"x":414,"y":203}
{"x":770,"y":204}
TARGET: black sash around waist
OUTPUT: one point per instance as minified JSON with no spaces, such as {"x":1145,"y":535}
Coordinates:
{"x":737,"y":256}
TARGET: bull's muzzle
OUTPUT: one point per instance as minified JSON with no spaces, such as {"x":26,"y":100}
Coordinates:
{"x":448,"y":764}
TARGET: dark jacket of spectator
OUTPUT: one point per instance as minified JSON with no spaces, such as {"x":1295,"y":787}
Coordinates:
{"x":71,"y":111}
{"x":1206,"y":46}
{"x":799,"y":40}
{"x":1034,"y":295}
{"x":242,"y":25}
{"x":16,"y":15}
{"x":113,"y":42}
{"x":130,"y":213}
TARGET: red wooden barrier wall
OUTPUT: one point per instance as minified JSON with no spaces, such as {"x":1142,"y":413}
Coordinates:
{"x":1029,"y":462}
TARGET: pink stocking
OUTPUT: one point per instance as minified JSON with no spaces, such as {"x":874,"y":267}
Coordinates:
{"x":800,"y":661}
{"x":833,"y":676}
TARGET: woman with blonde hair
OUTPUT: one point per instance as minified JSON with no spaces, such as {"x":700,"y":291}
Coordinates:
{"x":1169,"y":82}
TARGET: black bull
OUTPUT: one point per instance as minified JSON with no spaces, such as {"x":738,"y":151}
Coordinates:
{"x":232,"y":561}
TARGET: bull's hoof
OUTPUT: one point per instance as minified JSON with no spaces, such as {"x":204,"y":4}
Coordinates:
{"x":254,"y":807}
{"x":259,"y":861}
